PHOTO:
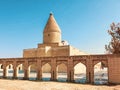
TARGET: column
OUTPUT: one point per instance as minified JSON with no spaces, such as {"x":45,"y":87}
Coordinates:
{"x":53,"y":70}
{"x":72,"y":75}
{"x":70,"y":71}
{"x":26,"y":71}
{"x":15,"y":73}
{"x":92,"y":75}
{"x":4,"y":72}
{"x":68,"y":75}
{"x":39,"y":70}
{"x":88,"y":73}
{"x":90,"y":70}
{"x":14,"y":70}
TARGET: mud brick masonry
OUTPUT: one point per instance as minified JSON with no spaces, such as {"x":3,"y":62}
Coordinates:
{"x":55,"y":51}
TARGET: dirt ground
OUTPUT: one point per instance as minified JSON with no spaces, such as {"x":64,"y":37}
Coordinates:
{"x":38,"y":85}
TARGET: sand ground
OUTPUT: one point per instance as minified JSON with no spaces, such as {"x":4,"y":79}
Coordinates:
{"x":38,"y":85}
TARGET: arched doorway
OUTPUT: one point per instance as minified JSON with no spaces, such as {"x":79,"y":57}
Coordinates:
{"x":46,"y":72}
{"x":62,"y":72}
{"x":100,"y":73}
{"x":9,"y":72}
{"x":32,"y":71}
{"x":20,"y":71}
{"x":1,"y":70}
{"x":80,"y":73}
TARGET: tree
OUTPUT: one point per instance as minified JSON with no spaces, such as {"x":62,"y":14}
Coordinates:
{"x":114,"y":44}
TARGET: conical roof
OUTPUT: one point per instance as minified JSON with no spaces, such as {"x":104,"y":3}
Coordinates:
{"x":51,"y":25}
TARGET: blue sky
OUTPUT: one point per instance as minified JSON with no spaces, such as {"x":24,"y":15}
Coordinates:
{"x":84,"y":23}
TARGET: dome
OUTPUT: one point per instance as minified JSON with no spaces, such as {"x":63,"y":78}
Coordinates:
{"x":52,"y":32}
{"x":51,"y":25}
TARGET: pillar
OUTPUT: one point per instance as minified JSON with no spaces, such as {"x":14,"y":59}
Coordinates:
{"x":53,"y":70}
{"x":89,"y":70}
{"x":15,"y":73}
{"x":39,"y":70}
{"x":14,"y":70}
{"x":70,"y":71}
{"x":68,"y":75}
{"x":4,"y":72}
{"x":26,"y":71}
{"x":72,"y":75}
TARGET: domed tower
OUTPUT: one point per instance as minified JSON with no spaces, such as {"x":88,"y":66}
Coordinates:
{"x":52,"y":32}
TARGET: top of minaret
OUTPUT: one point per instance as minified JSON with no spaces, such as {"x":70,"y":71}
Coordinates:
{"x":51,"y":13}
{"x":51,"y":25}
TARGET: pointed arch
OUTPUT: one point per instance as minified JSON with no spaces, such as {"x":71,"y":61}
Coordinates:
{"x":32,"y":71}
{"x":9,"y":72}
{"x":80,"y":73}
{"x":20,"y":71}
{"x":46,"y":72}
{"x":77,"y":62}
{"x":62,"y":72}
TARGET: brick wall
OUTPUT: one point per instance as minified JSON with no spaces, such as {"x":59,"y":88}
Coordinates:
{"x":114,"y":69}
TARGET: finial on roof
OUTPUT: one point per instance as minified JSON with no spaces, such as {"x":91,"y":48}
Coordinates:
{"x":51,"y":13}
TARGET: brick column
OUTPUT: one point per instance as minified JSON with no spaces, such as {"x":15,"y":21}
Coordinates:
{"x":26,"y":71}
{"x":88,"y":75}
{"x":89,"y":71}
{"x":68,"y":74}
{"x":14,"y":70}
{"x":70,"y":71}
{"x":92,"y":75}
{"x":15,"y":73}
{"x":53,"y":70}
{"x":4,"y":70}
{"x":39,"y":70}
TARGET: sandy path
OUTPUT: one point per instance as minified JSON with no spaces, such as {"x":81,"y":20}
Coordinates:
{"x":32,"y":85}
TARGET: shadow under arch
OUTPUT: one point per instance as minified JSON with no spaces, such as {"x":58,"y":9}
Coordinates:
{"x":61,"y":72}
{"x":100,"y":73}
{"x":80,"y":73}
{"x":46,"y":72}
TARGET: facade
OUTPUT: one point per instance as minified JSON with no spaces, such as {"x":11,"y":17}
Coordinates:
{"x":52,"y":45}
{"x":112,"y":62}
{"x":54,"y":52}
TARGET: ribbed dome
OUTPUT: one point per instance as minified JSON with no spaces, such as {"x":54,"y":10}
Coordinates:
{"x":51,"y":25}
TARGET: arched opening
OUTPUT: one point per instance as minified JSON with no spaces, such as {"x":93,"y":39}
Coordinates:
{"x":80,"y":73}
{"x":20,"y":71}
{"x":1,"y":70}
{"x":32,"y":69}
{"x":46,"y":72}
{"x":100,"y":73}
{"x":9,"y":72}
{"x":62,"y":72}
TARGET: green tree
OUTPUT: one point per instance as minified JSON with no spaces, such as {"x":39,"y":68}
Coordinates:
{"x":114,"y":45}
